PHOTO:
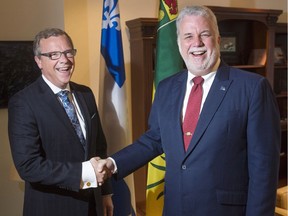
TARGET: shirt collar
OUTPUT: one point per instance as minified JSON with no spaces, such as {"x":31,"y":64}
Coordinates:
{"x":207,"y":76}
{"x":54,"y":88}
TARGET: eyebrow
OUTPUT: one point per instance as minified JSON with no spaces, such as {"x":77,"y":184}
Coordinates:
{"x":204,"y":31}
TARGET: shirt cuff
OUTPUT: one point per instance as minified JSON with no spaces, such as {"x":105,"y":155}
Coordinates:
{"x":88,"y":176}
{"x":114,"y":163}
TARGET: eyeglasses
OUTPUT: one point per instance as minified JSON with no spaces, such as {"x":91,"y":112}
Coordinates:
{"x":56,"y":55}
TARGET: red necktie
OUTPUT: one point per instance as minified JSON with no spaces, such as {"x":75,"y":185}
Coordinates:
{"x":192,"y":110}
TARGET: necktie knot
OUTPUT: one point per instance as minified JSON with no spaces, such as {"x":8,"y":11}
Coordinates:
{"x":64,"y":97}
{"x":198,"y":80}
{"x":63,"y":94}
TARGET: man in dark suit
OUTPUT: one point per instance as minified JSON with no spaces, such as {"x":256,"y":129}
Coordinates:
{"x":230,"y":166}
{"x":60,"y":180}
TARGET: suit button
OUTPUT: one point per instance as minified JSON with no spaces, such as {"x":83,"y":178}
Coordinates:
{"x":88,"y":184}
{"x":183,"y":167}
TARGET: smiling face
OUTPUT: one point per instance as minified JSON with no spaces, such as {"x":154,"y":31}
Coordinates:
{"x":198,"y":44}
{"x":59,"y":71}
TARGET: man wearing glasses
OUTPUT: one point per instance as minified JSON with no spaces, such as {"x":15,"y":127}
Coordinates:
{"x":56,"y":136}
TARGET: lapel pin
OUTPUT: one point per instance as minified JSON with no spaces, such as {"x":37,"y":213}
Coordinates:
{"x":222,"y":88}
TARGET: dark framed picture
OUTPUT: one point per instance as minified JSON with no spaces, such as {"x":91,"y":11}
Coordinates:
{"x":229,"y":48}
{"x":17,"y":68}
{"x":228,"y":43}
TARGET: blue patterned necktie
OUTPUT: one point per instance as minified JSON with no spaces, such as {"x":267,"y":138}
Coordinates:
{"x":70,"y":110}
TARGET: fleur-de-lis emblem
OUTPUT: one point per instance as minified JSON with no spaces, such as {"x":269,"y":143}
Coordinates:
{"x":111,"y":17}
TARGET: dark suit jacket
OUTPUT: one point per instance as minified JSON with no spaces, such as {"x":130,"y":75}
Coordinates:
{"x":231,"y":165}
{"x":47,"y":152}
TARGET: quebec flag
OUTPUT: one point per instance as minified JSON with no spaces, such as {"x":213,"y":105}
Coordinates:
{"x":111,"y":41}
{"x":113,"y":103}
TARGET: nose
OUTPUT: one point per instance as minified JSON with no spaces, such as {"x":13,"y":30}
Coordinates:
{"x":197,"y":41}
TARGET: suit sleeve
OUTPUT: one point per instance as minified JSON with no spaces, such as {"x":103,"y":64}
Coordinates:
{"x":144,"y":149}
{"x":101,"y":151}
{"x":98,"y":140}
{"x":263,"y":133}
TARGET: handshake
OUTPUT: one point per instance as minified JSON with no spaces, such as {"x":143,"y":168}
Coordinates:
{"x":103,"y":168}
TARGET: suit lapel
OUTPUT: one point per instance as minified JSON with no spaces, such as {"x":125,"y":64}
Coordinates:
{"x":52,"y":101}
{"x":177,"y":98}
{"x":214,"y":98}
{"x":85,"y":113}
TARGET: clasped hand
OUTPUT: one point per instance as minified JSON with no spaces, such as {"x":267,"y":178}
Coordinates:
{"x":103,"y":169}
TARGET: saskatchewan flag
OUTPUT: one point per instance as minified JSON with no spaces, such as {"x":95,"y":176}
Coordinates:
{"x":168,"y":62}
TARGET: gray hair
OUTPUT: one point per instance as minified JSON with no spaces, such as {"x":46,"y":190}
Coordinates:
{"x":46,"y":33}
{"x":197,"y":11}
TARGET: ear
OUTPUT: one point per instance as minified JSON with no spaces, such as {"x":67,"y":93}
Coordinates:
{"x":219,"y":39}
{"x":38,"y":61}
{"x":179,"y":45}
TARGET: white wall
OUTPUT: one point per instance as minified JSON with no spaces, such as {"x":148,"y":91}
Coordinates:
{"x":21,"y":20}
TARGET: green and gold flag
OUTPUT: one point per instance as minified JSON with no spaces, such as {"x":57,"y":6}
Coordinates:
{"x":168,"y":62}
